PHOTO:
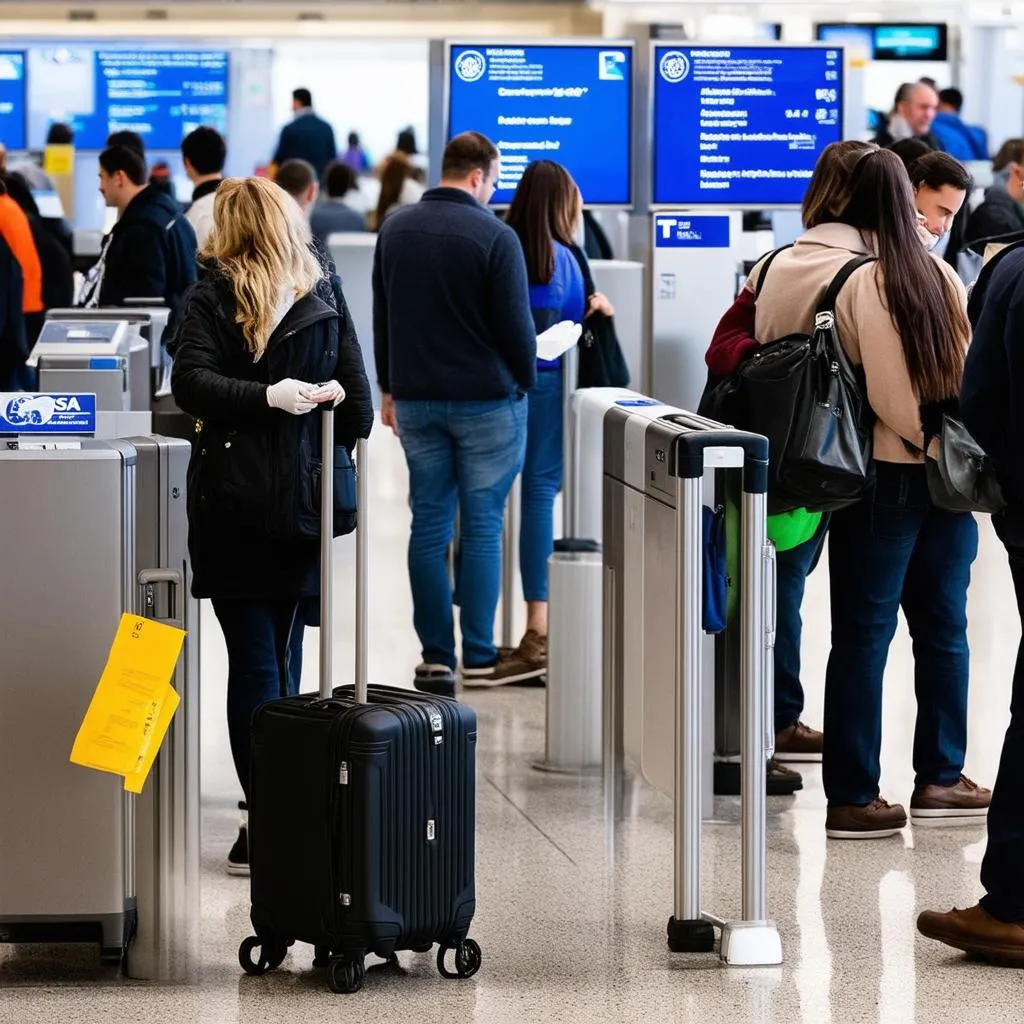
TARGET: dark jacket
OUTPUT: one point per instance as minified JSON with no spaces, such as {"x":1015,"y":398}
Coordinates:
{"x":992,"y":395}
{"x":333,"y":216}
{"x":310,"y":138}
{"x":451,"y":304}
{"x":13,"y":340}
{"x":150,"y":252}
{"x":253,"y":491}
{"x":885,"y":138}
{"x":999,"y":214}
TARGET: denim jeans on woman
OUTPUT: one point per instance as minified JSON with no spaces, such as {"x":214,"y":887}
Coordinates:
{"x":464,"y":455}
{"x":542,"y":478}
{"x":895,"y":549}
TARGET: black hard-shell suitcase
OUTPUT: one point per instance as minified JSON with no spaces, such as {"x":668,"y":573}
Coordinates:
{"x":361,"y":813}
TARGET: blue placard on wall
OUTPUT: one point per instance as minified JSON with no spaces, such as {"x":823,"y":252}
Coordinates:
{"x":568,"y":103}
{"x":742,"y":125}
{"x":23,"y":412}
{"x":704,"y":231}
{"x":12,"y":99}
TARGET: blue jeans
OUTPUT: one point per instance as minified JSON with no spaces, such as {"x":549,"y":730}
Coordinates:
{"x":306,"y":614}
{"x":794,"y":566}
{"x":1002,"y":870}
{"x":896,"y":549}
{"x":256,"y":634}
{"x":542,"y":478}
{"x":465,"y":455}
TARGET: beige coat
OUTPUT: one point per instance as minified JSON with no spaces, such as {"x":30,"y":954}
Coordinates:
{"x":795,"y":283}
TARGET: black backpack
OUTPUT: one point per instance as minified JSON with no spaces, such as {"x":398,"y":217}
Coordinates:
{"x":802,"y":393}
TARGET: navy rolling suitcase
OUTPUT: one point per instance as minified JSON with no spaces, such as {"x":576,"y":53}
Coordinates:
{"x":361,"y":813}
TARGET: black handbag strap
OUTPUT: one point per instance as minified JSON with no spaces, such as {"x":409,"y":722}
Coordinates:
{"x":828,"y":300}
{"x":767,"y":261}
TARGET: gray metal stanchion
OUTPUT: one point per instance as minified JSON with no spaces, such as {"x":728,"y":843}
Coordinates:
{"x":754,"y":940}
{"x":509,"y":565}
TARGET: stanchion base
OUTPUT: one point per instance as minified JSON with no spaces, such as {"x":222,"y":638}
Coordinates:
{"x":581,"y":771}
{"x":751,"y":944}
{"x":690,"y":936}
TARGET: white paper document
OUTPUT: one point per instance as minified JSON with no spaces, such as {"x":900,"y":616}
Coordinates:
{"x":557,"y":340}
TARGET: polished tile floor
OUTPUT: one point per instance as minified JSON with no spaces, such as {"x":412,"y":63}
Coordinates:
{"x":571,"y":913}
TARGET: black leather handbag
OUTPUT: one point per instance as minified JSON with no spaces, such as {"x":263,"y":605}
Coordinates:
{"x":963,"y":478}
{"x":802,"y":393}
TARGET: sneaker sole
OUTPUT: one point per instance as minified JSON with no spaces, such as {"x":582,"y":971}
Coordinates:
{"x":884,"y":833}
{"x":238,"y":870}
{"x":481,"y":682}
{"x":798,"y":758}
{"x":945,"y":819}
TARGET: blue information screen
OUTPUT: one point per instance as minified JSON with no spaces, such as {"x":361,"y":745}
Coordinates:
{"x":742,"y":125}
{"x":161,"y":94}
{"x":571,"y":104}
{"x":12,"y":99}
{"x":920,"y":42}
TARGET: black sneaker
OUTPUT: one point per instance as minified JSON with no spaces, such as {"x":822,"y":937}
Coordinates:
{"x":436,"y":679}
{"x":238,"y":858}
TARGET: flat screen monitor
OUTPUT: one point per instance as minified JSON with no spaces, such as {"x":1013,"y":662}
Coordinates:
{"x":889,"y":41}
{"x":161,"y":94}
{"x":566,"y":102}
{"x":12,"y":99}
{"x":742,"y":125}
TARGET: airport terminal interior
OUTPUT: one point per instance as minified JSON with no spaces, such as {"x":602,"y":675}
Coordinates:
{"x":607,"y":785}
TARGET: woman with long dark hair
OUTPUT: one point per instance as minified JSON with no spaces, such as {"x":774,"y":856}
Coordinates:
{"x":902,"y":319}
{"x":545,"y":213}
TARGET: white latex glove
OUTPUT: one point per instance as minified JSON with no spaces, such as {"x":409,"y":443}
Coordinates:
{"x":330,"y":391}
{"x":294,"y":396}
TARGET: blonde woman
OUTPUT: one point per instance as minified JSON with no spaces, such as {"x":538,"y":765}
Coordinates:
{"x":261,"y":328}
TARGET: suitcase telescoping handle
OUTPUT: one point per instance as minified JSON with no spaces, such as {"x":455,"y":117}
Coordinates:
{"x":327,"y":562}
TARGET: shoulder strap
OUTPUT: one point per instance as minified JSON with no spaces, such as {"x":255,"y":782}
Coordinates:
{"x":766,"y":264}
{"x":828,"y":300}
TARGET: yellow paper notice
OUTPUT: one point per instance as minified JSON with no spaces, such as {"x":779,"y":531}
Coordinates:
{"x":59,"y":160}
{"x":127,"y":708}
{"x":133,"y":783}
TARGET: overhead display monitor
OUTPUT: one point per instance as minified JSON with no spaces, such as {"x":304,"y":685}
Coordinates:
{"x":742,"y":125}
{"x":12,"y":99}
{"x":567,"y":102}
{"x":889,"y":41}
{"x":161,"y":94}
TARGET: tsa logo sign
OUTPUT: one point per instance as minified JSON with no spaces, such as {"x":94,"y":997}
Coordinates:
{"x":696,"y":232}
{"x":470,"y":65}
{"x":28,"y":413}
{"x":612,"y":66}
{"x":674,"y":66}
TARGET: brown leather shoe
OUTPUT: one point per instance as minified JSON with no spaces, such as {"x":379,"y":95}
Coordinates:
{"x":966,"y":803}
{"x":798,"y":744}
{"x":876,"y":821}
{"x":977,"y":932}
{"x":782,"y":781}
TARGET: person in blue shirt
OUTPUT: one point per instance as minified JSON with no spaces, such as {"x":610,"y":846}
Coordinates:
{"x":958,"y":139}
{"x":308,"y":137}
{"x":545,"y":213}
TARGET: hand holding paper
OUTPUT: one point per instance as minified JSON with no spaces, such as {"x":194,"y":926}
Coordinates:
{"x":557,"y":340}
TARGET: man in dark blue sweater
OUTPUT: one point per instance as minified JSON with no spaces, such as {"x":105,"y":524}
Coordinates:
{"x":992,"y":405}
{"x":456,"y":353}
{"x":308,"y":137}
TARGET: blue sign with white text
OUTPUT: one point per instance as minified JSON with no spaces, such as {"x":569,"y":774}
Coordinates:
{"x":704,"y":232}
{"x":570,"y":103}
{"x":742,"y":125}
{"x":12,"y":99}
{"x":23,"y":412}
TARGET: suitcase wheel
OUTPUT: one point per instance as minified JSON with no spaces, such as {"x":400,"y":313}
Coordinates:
{"x":467,"y":960}
{"x":321,"y":957}
{"x":272,"y":954}
{"x":347,"y":976}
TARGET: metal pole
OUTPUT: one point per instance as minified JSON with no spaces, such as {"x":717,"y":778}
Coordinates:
{"x":362,"y":578}
{"x":754,"y":687}
{"x":570,"y":489}
{"x":689,"y":601}
{"x":327,"y":552}
{"x":508,"y":565}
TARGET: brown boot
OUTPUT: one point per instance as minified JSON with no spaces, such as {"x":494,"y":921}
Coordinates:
{"x":966,"y":803}
{"x":876,"y":821}
{"x":977,"y":932}
{"x":798,"y":743}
